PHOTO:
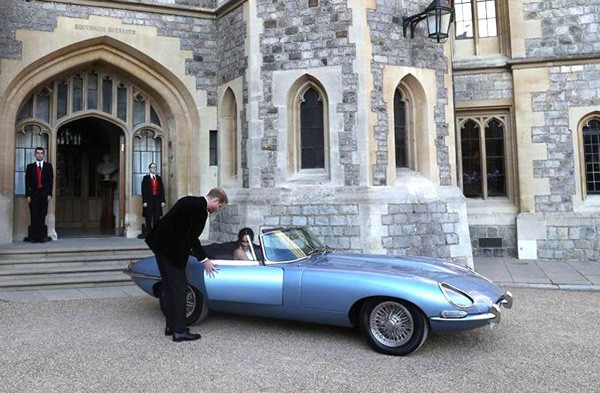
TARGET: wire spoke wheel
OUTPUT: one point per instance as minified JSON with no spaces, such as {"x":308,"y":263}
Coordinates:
{"x":391,"y":324}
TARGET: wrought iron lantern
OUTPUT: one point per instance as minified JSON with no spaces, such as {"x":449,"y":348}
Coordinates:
{"x":439,"y":16}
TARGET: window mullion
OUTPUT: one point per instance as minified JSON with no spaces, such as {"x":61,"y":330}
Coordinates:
{"x":483,"y":156}
{"x":475,"y":22}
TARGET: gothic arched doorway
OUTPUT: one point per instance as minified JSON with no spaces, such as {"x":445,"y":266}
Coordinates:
{"x":89,"y":179}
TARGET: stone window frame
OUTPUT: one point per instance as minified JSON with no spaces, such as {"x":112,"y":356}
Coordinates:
{"x":228,"y":138}
{"x":585,"y":120}
{"x":296,"y":95}
{"x":482,"y":118}
{"x":490,"y":45}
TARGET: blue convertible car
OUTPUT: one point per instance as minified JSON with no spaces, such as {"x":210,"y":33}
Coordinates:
{"x":396,"y":301}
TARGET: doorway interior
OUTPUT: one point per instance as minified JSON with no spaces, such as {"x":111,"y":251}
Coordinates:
{"x":89,"y":184}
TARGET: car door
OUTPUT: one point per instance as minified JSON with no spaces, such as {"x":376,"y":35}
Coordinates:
{"x":245,"y":282}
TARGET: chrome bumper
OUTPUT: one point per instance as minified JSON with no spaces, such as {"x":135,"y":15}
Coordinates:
{"x":493,"y":316}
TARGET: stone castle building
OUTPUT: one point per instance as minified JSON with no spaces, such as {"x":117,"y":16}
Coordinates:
{"x":312,"y":112}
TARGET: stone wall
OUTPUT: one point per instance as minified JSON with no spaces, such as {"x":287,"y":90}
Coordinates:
{"x":569,"y":27}
{"x":420,"y":229}
{"x":570,"y":86}
{"x":483,"y":87}
{"x":571,"y":238}
{"x":304,"y":35}
{"x":231,"y":33}
{"x":361,"y":219}
{"x":391,"y":48}
{"x":195,"y":34}
{"x":507,"y":234}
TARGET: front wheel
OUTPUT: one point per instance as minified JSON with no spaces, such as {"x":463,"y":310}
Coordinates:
{"x":195,"y":306}
{"x":393,"y":327}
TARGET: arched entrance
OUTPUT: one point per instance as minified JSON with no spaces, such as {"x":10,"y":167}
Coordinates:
{"x":89,"y":182}
{"x":100,"y":78}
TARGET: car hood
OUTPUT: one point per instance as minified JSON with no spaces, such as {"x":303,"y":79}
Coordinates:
{"x":411,"y":267}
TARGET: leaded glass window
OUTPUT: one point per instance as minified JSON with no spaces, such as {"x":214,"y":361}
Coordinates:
{"x":139,"y":109}
{"x":77,"y":93}
{"x":312,"y":142}
{"x":494,"y":154}
{"x":147,"y":148}
{"x":400,"y":129}
{"x":122,"y":102}
{"x":107,"y":97}
{"x":483,"y":157}
{"x":63,"y":97}
{"x":27,"y":140}
{"x":42,"y":106}
{"x":591,"y":147}
{"x":471,"y":159}
{"x":92,"y":90}
{"x":481,"y":12}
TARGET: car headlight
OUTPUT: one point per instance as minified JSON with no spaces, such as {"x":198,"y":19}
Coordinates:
{"x":455,"y":296}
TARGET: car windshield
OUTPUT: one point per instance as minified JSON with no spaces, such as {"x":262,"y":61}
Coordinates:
{"x":286,"y":245}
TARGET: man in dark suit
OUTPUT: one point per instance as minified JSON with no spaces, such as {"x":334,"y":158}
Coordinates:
{"x":39,"y":180}
{"x":153,"y":197}
{"x":171,"y":241}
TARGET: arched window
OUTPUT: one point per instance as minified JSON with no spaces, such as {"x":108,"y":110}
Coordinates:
{"x":494,"y":153}
{"x":27,"y":139}
{"x":483,"y":158}
{"x":312,"y":143}
{"x":147,"y":148}
{"x":308,"y":132}
{"x":400,"y":134}
{"x":591,"y":150}
{"x":471,"y":159}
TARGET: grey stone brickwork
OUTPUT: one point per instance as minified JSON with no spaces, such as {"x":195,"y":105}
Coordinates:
{"x":569,"y":27}
{"x":301,"y":35}
{"x":196,"y":34}
{"x":570,"y":86}
{"x":206,"y":4}
{"x":508,"y":234}
{"x":231,"y":33}
{"x":572,"y":240}
{"x":391,"y":48}
{"x":225,"y":225}
{"x":483,"y":87}
{"x":335,"y":224}
{"x":420,"y":229}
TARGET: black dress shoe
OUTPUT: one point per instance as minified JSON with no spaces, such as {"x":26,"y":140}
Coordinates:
{"x":185,"y":336}
{"x":169,"y":332}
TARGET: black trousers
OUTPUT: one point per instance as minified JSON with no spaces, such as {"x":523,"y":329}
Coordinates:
{"x":38,"y":208}
{"x":174,"y":287}
{"x":152,"y":213}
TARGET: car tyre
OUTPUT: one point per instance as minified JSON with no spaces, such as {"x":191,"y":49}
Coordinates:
{"x":196,"y":309}
{"x":393,"y":327}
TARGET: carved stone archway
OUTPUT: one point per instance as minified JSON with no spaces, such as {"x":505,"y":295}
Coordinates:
{"x":174,"y":101}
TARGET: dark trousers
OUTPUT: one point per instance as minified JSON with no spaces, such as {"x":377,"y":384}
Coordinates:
{"x":174,"y":287}
{"x":152,"y":213}
{"x":38,"y":208}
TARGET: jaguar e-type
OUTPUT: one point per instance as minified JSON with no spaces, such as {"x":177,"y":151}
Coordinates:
{"x":395,"y":300}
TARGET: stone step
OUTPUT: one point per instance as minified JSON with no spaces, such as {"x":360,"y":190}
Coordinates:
{"x":73,"y":257}
{"x":68,"y":263}
{"x":63,"y":280}
{"x":63,"y":267}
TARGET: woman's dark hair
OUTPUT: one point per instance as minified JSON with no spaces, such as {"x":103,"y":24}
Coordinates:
{"x":243,"y":232}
